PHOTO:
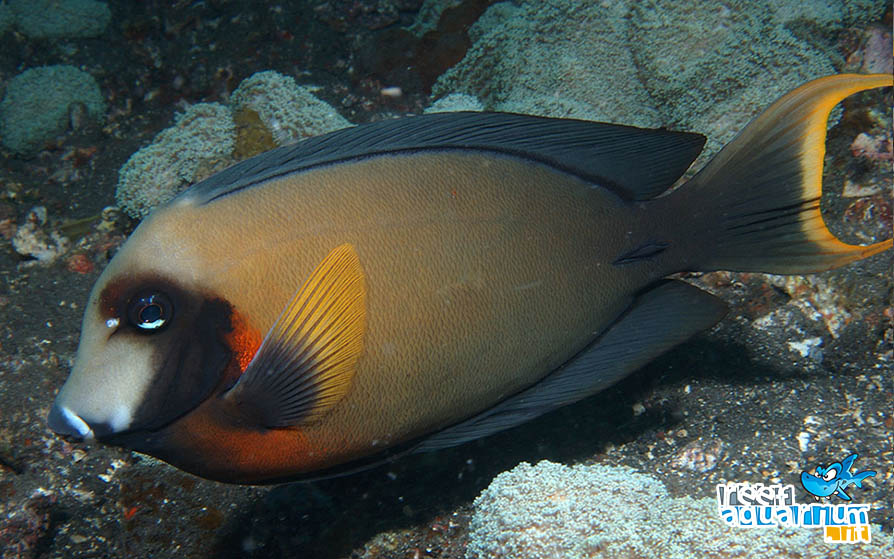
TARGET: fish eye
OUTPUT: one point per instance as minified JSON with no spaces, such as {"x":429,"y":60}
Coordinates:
{"x":830,"y":474}
{"x":150,"y":312}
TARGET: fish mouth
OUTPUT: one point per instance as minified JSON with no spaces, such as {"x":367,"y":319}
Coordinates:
{"x":65,"y":422}
{"x":70,"y":425}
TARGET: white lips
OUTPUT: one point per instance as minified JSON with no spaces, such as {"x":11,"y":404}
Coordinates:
{"x":75,"y":421}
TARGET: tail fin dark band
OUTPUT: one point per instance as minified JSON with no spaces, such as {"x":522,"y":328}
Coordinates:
{"x":766,"y":186}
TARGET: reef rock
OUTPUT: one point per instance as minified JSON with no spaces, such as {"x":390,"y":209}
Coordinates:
{"x":199,"y":143}
{"x":209,"y":137}
{"x":38,"y":105}
{"x":693,"y":65}
{"x":551,"y":510}
{"x":56,"y":19}
{"x":290,"y":111}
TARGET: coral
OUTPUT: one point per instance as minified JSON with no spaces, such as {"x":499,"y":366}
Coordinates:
{"x":288,"y":110}
{"x":553,"y":58}
{"x":876,"y":52}
{"x":38,"y":103}
{"x":413,"y":57}
{"x":876,"y":148}
{"x":53,"y":19}
{"x":200,"y":143}
{"x":455,"y":102}
{"x":551,"y":510}
{"x":688,"y":64}
{"x":266,"y":110}
{"x":33,"y":241}
{"x":820,"y":299}
{"x":832,"y":16}
{"x":252,"y":137}
{"x":711,"y":68}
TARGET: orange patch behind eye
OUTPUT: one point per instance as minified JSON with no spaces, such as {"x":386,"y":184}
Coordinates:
{"x":243,"y":340}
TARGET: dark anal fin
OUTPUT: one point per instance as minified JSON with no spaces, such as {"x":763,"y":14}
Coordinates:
{"x":307,"y":361}
{"x":659,"y":319}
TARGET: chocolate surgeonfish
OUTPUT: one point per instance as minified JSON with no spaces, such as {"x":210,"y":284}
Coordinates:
{"x":413,"y":284}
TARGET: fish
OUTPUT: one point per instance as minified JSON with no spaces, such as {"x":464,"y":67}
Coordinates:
{"x":413,"y":284}
{"x":834,"y":479}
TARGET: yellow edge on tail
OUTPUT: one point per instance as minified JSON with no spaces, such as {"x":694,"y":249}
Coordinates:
{"x":822,"y":95}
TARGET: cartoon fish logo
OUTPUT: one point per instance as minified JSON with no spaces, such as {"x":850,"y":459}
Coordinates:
{"x":834,"y":479}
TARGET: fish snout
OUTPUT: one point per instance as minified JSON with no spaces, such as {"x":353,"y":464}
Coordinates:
{"x":63,"y":421}
{"x":104,"y":388}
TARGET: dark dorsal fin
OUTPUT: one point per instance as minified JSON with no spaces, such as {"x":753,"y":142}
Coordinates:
{"x":636,"y":163}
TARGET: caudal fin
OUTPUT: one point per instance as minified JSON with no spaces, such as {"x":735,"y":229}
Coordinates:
{"x":763,"y":189}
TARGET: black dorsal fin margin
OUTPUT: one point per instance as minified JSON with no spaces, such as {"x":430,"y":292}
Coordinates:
{"x":635,"y":163}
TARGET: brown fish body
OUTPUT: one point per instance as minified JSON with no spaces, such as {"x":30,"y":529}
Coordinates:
{"x":415,"y":284}
{"x":481,"y":280}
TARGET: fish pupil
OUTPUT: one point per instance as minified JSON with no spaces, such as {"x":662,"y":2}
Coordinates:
{"x":150,"y":312}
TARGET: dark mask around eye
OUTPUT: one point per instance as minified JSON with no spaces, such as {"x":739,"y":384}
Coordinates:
{"x":186,"y":331}
{"x":192,"y":355}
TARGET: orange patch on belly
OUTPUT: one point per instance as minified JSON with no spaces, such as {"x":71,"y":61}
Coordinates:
{"x":207,"y":444}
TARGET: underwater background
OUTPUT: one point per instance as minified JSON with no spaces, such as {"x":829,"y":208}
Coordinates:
{"x":110,"y":108}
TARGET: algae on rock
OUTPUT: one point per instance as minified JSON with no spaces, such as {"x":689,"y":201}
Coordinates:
{"x":200,"y":143}
{"x":689,"y":64}
{"x":266,"y":110}
{"x":38,"y":102}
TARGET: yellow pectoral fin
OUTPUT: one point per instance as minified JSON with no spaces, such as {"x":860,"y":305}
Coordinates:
{"x":307,"y":360}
